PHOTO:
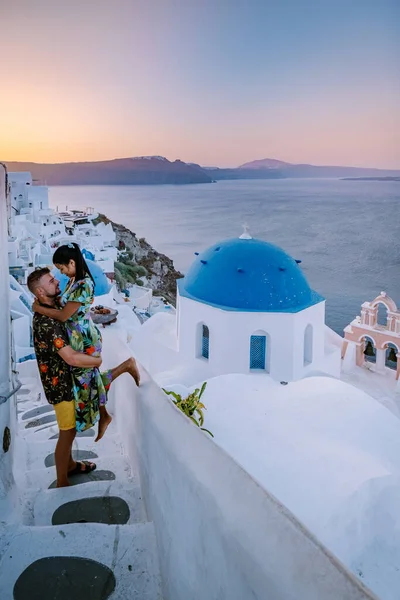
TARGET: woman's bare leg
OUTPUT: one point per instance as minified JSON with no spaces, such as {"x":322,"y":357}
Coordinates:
{"x":128,"y":366}
{"x":104,"y":421}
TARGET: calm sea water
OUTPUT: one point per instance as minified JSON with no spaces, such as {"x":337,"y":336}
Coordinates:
{"x":347,"y":233}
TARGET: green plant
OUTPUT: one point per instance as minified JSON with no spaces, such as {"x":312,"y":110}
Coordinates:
{"x":128,"y":272}
{"x":126,"y":257}
{"x":191,"y":406}
{"x":119,"y":279}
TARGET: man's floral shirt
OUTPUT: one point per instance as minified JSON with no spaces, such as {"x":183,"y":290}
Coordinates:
{"x":49,"y":336}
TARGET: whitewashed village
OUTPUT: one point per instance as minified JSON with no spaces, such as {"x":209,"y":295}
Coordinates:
{"x":295,"y":495}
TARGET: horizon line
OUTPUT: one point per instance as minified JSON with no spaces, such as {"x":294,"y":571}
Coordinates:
{"x":203,"y":166}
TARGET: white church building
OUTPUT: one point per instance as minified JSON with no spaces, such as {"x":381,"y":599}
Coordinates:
{"x":245,"y":307}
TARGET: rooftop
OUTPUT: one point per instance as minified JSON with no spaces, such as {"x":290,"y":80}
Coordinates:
{"x":245,"y":274}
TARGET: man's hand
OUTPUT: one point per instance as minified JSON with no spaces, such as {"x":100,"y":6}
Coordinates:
{"x":99,"y":359}
{"x":79,"y":359}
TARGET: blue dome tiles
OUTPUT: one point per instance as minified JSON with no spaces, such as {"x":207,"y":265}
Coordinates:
{"x":248,"y":275}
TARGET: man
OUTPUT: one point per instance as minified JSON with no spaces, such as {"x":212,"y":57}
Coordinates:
{"x":55,"y":357}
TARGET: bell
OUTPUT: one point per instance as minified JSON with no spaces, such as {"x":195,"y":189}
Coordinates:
{"x":391,"y":357}
{"x":369,"y":349}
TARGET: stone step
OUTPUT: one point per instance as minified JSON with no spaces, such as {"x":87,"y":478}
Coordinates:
{"x":29,"y":400}
{"x":129,"y":551}
{"x":30,"y":381}
{"x":41,"y":454}
{"x":43,"y":429}
{"x":39,"y":507}
{"x":36,"y":412}
{"x":43,"y":433}
{"x":38,"y":422}
{"x":109,"y":468}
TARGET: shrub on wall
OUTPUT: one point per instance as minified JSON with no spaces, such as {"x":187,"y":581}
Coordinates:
{"x":191,"y":406}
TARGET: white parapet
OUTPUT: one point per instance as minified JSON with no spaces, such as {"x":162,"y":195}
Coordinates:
{"x":210,"y":515}
{"x":349,"y":360}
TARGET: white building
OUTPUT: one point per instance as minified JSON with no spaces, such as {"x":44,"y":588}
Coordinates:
{"x":19,"y":185}
{"x":245,"y":306}
{"x":36,"y":230}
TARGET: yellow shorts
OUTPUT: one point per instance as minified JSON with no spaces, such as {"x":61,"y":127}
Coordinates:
{"x":65,"y":415}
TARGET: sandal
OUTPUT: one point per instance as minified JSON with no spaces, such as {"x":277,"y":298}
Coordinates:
{"x":82,"y":466}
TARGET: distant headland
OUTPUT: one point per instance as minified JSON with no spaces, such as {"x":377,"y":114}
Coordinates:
{"x":370,"y":178}
{"x":158,"y":170}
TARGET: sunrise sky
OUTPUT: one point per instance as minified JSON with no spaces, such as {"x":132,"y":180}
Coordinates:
{"x":217,"y":82}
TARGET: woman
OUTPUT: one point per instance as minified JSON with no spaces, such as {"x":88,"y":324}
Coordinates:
{"x":90,"y":385}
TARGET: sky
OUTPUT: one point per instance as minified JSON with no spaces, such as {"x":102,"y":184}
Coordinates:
{"x":216,"y":82}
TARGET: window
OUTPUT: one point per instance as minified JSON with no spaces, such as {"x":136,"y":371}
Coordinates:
{"x":205,"y":342}
{"x":391,"y":356}
{"x":369,"y":349}
{"x":258,"y":346}
{"x":382,"y":316}
{"x":308,"y":345}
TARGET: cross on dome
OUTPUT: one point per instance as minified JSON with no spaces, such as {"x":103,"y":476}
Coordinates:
{"x":245,"y":235}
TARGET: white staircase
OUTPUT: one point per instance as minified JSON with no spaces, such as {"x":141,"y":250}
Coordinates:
{"x":128,"y":549}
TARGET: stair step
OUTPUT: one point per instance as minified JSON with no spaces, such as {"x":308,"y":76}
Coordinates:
{"x":65,"y":577}
{"x":43,"y":478}
{"x":50,"y":460}
{"x":38,"y":421}
{"x":130,"y":551}
{"x":43,"y":429}
{"x":39,"y":507}
{"x":37,"y":412}
{"x":37,"y":452}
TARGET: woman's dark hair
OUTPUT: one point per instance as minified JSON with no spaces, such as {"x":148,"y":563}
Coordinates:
{"x":65,"y":253}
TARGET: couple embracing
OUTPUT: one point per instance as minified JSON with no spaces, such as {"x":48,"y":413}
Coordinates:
{"x":68,"y":351}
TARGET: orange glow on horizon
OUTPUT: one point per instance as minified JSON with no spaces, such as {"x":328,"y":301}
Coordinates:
{"x":88,"y":83}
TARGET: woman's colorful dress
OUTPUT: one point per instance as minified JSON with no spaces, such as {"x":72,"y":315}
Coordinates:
{"x":90,"y":385}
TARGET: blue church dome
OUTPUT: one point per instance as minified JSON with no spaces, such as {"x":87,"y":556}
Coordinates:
{"x":101,"y":284}
{"x":248,"y":275}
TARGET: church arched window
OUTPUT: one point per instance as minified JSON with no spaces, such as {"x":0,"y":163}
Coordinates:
{"x":259,"y":351}
{"x":382,"y":315}
{"x":391,"y":356}
{"x":369,"y":349}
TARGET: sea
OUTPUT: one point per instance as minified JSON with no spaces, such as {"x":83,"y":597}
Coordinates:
{"x":346,"y":233}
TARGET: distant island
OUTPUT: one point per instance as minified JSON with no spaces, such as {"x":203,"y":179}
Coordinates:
{"x":158,"y":170}
{"x":370,"y":178}
{"x":142,"y":170}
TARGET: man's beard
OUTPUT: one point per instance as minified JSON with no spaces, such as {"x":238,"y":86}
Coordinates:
{"x":55,"y":295}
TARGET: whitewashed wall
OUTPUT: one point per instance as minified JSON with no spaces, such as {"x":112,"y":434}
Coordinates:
{"x":230,"y":333}
{"x":220,"y":535}
{"x":6,"y":479}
